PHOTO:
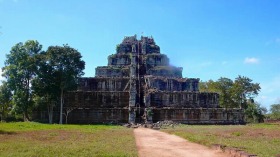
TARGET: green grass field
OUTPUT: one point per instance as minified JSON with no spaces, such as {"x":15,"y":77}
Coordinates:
{"x":35,"y":139}
{"x":260,"y":139}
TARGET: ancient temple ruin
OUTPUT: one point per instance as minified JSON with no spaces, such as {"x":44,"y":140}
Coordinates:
{"x":139,"y":85}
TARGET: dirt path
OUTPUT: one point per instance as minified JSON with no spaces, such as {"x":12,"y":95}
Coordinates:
{"x":152,"y":143}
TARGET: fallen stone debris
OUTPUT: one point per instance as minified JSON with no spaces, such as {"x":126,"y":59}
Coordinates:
{"x":157,"y":126}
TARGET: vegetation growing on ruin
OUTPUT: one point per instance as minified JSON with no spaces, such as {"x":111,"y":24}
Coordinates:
{"x":155,"y":54}
{"x":117,"y":47}
{"x":261,"y":139}
{"x":153,"y":48}
{"x":34,"y":139}
{"x":118,"y":55}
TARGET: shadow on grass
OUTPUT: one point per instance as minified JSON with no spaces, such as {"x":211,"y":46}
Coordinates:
{"x":7,"y":132}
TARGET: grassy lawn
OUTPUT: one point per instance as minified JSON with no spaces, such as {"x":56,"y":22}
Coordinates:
{"x":260,"y":139}
{"x":35,"y":139}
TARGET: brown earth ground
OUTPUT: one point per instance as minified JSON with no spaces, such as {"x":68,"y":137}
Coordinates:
{"x":152,"y":143}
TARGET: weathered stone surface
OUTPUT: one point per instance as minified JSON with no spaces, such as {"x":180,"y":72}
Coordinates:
{"x":184,"y":99}
{"x":104,"y":84}
{"x":145,"y":45}
{"x":171,"y":84}
{"x":156,"y":59}
{"x":98,"y":115}
{"x":112,"y":71}
{"x":199,"y":115}
{"x":92,"y":100}
{"x":137,"y":79}
{"x":166,"y":71}
{"x":119,"y":60}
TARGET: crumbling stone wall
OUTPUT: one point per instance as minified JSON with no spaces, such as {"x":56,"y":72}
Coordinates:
{"x":98,"y":115}
{"x":111,"y":71}
{"x":145,"y":45}
{"x":162,"y":83}
{"x":93,"y":100}
{"x":167,"y":71}
{"x":200,"y":115}
{"x":183,"y":99}
{"x":104,"y":84}
{"x":138,"y":77}
{"x":156,"y":59}
{"x":119,"y":59}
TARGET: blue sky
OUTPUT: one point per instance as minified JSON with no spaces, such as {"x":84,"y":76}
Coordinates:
{"x":208,"y":38}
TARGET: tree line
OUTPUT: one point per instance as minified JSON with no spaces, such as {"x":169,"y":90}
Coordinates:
{"x":240,"y":93}
{"x":37,"y":78}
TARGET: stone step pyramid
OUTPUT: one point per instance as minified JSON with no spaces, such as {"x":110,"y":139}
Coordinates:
{"x":139,"y":80}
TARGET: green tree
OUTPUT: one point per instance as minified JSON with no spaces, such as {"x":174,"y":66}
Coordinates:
{"x":5,"y":100}
{"x":238,"y":93}
{"x":244,"y":90}
{"x":233,"y":94}
{"x":46,"y":86}
{"x":254,"y":112}
{"x":224,"y":87}
{"x":275,"y":111}
{"x":19,"y":70}
{"x":208,"y":86}
{"x":66,"y":66}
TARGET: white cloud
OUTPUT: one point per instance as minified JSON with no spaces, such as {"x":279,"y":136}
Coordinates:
{"x":251,"y":60}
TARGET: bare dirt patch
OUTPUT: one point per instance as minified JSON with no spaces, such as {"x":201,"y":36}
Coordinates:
{"x":152,"y":143}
